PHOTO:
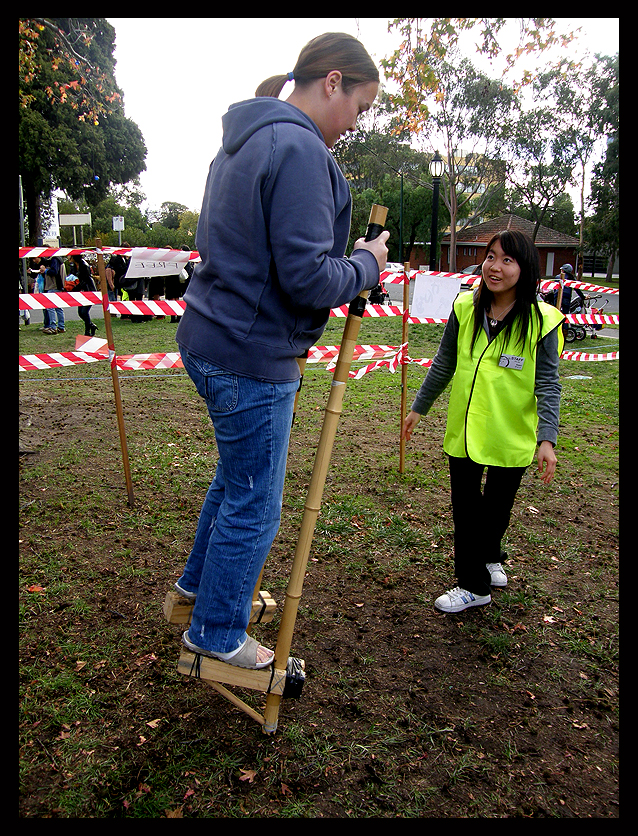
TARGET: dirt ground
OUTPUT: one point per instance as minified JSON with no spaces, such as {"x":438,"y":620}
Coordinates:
{"x":443,"y":711}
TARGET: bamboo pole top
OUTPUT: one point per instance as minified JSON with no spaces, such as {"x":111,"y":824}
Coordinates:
{"x":378,"y":214}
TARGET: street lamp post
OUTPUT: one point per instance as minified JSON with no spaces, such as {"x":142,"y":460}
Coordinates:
{"x":437,"y":167}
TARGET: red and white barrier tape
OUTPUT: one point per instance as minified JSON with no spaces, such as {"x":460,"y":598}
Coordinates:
{"x":398,"y":277}
{"x":318,"y":354}
{"x":176,"y":307}
{"x":328,"y":353}
{"x":150,"y":253}
{"x":585,"y":356}
{"x":387,"y":276}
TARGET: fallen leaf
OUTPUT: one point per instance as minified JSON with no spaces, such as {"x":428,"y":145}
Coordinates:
{"x":35,"y":588}
{"x":148,"y":659}
{"x":248,"y":775}
{"x":153,"y":724}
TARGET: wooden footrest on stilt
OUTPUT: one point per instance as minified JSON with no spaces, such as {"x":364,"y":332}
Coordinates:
{"x":178,"y":610}
{"x":266,"y":680}
{"x":264,"y":608}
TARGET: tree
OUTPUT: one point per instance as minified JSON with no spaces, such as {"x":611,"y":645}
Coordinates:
{"x":115,"y":204}
{"x":430,"y":82}
{"x":382,"y":169}
{"x":73,"y":134}
{"x":426,"y":41}
{"x":603,"y":229}
{"x":169,"y":214}
{"x":576,"y":93}
{"x":471,"y":119}
{"x":541,"y":162}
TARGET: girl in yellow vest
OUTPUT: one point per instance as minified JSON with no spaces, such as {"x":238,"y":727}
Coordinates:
{"x":501,"y":348}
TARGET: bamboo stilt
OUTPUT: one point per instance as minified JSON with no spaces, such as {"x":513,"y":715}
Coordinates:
{"x":214,"y":670}
{"x":318,"y":479}
{"x":178,"y":610}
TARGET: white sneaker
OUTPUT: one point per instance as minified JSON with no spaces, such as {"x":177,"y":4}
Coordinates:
{"x":497,"y":573}
{"x":457,"y":599}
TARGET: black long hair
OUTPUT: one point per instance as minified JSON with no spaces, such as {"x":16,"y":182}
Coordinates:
{"x":520,"y":246}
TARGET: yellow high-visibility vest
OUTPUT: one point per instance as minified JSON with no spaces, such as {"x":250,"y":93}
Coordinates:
{"x":492,"y":416}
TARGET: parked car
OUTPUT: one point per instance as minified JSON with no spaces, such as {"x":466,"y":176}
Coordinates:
{"x":474,"y":270}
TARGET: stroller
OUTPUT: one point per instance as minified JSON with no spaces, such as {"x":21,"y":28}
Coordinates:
{"x":573,"y":331}
{"x":379,"y":295}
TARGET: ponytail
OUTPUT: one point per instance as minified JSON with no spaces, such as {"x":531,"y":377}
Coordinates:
{"x":272,"y":86}
{"x":332,"y":51}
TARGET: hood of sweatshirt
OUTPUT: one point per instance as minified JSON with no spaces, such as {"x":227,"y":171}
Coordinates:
{"x":243,"y":119}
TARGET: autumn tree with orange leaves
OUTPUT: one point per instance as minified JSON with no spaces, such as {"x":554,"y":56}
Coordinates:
{"x":73,"y":133}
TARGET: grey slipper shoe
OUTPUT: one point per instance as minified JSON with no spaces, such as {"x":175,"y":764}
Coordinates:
{"x":245,"y":657}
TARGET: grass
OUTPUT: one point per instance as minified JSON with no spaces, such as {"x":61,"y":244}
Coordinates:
{"x":90,"y":746}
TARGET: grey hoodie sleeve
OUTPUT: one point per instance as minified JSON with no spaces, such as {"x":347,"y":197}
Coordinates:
{"x":308,"y":210}
{"x":547,"y":388}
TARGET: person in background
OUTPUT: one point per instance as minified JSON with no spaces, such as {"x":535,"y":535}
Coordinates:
{"x":272,"y":234}
{"x":85,"y":283}
{"x":568,"y":304}
{"x":54,"y":278}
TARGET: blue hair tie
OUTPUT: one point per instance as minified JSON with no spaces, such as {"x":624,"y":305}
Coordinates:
{"x":291,"y":76}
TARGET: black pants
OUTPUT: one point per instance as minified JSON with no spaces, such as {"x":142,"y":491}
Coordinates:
{"x":84,"y":312}
{"x":481,"y":518}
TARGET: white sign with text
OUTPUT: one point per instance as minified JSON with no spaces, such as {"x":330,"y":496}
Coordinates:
{"x":434,"y":295}
{"x":145,"y":263}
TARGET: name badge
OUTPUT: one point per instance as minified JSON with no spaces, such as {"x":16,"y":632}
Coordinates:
{"x":510,"y":361}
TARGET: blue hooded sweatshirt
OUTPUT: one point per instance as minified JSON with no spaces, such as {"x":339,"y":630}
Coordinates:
{"x":272,"y":235}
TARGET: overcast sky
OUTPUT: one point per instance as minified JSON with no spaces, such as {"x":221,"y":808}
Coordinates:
{"x":179,"y":76}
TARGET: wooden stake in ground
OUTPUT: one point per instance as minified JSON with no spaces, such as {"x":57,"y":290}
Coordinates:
{"x":378,"y":215}
{"x":559,"y":300}
{"x":114,"y":376}
{"x":404,"y":365}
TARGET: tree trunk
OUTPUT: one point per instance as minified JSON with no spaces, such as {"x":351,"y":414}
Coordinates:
{"x":33,"y":204}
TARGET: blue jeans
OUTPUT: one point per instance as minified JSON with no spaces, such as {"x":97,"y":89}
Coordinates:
{"x":242,"y":510}
{"x":56,"y":316}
